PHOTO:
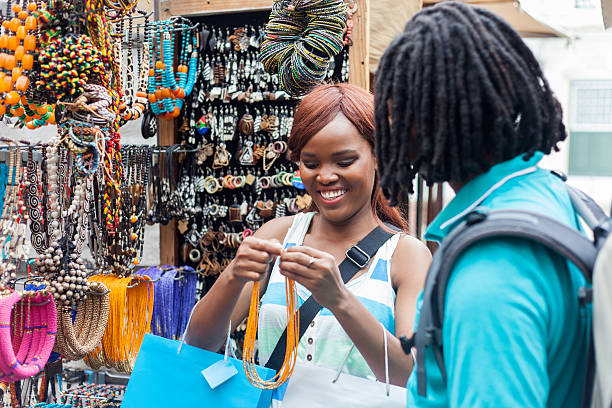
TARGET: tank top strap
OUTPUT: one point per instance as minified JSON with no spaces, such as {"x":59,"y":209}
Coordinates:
{"x":298,"y":229}
{"x":294,"y":237}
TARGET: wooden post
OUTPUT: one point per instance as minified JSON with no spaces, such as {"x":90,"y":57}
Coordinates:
{"x":168,"y":237}
{"x":359,"y":53}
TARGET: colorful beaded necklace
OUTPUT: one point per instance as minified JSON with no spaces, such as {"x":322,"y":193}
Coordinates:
{"x":167,"y":90}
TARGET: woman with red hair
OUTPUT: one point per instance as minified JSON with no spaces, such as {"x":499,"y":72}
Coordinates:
{"x":333,"y":140}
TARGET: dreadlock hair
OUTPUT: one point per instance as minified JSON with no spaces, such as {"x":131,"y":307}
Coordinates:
{"x":456,"y":93}
{"x":318,"y":109}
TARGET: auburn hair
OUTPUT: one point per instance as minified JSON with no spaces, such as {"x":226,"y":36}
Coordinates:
{"x":318,"y":109}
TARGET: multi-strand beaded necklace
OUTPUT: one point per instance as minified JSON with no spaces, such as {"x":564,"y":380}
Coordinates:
{"x":166,"y":94}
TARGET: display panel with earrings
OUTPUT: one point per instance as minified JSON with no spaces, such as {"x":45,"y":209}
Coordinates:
{"x":237,"y":122}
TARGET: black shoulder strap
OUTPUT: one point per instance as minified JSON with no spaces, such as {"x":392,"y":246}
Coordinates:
{"x":479,"y":225}
{"x":357,"y":257}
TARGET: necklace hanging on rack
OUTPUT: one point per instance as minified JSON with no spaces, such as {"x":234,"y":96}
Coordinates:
{"x":137,"y":163}
{"x":61,"y":264}
{"x":75,"y":340}
{"x":138,"y":96}
{"x":154,"y":66}
{"x":170,"y":89}
{"x":34,"y":203}
{"x":187,"y":71}
{"x":166,"y":94}
{"x":18,"y":44}
{"x":12,"y":222}
{"x":116,"y":11}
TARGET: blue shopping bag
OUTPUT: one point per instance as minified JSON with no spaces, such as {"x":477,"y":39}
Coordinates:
{"x":164,"y":378}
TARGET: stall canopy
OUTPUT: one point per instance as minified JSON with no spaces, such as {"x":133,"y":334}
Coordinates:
{"x":388,"y":18}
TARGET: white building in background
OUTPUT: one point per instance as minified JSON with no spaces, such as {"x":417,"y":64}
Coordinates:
{"x":579,"y":69}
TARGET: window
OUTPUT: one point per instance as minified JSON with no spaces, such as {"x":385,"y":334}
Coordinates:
{"x":585,"y":4}
{"x":590,"y":128}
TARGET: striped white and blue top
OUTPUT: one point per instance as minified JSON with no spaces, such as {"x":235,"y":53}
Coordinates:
{"x":325,"y":343}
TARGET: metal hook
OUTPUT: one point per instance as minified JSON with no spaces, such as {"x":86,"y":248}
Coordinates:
{"x":26,"y":278}
{"x":143,"y":14}
{"x":139,"y":281}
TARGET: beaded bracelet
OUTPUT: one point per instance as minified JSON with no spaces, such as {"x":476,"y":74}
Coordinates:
{"x":301,"y":38}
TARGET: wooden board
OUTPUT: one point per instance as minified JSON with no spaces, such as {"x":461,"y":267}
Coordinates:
{"x":203,"y":7}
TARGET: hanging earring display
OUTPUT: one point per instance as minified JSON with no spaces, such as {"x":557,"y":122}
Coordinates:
{"x":237,"y":123}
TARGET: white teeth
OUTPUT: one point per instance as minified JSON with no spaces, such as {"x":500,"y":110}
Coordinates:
{"x":330,"y":195}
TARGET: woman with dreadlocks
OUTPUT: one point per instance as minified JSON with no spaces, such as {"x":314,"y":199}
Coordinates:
{"x":461,"y":99}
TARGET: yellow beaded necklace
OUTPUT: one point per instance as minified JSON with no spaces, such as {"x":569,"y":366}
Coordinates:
{"x":293,"y":338}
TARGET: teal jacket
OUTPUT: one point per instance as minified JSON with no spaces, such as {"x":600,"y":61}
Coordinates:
{"x":514,"y":334}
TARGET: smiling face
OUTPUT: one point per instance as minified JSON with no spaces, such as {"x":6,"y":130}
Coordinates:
{"x":338,"y":169}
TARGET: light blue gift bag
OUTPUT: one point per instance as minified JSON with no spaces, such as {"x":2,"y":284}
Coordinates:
{"x":168,"y":373}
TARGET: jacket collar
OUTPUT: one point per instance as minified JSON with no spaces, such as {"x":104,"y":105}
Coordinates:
{"x":474,"y":192}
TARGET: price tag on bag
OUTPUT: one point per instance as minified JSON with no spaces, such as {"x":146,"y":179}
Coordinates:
{"x":222,"y":370}
{"x":219,"y":373}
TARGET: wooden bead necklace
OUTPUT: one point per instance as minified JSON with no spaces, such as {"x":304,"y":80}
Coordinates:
{"x":17,"y":43}
{"x":61,"y":264}
{"x":75,"y":340}
{"x":136,"y":98}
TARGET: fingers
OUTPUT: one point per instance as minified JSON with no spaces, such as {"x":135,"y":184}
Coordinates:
{"x":272,"y":247}
{"x":252,"y":276}
{"x":297,"y":272}
{"x":294,"y":267}
{"x":256,"y":255}
{"x":297,"y":257}
{"x":308,"y":251}
{"x":298,"y":278}
{"x":252,"y":266}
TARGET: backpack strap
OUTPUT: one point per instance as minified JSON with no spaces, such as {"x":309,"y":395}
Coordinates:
{"x":591,"y":213}
{"x":480,"y":225}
